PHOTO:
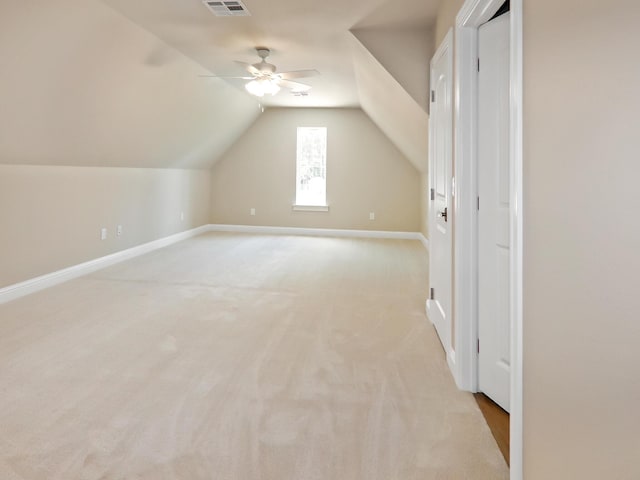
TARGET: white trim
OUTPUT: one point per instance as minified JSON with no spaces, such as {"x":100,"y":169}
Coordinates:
{"x":450,"y":353}
{"x":476,"y":12}
{"x":451,"y":359}
{"x":445,"y":330}
{"x":472,"y":14}
{"x":310,"y":208}
{"x":424,"y":240}
{"x":316,"y":232}
{"x":465,"y":243}
{"x":33,"y":285}
{"x":517,"y":222}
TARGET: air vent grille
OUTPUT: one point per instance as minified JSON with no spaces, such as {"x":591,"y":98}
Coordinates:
{"x":224,"y":8}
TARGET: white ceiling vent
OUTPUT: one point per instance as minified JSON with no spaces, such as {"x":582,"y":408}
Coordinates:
{"x":227,"y":8}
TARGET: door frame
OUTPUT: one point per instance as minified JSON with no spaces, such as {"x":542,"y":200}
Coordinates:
{"x":473,"y":14}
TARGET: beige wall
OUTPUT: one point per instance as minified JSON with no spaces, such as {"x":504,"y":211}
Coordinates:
{"x":51,"y":217}
{"x":581,"y":240}
{"x":446,"y":19}
{"x":581,"y":261}
{"x":366,"y":173}
{"x":82,"y":85}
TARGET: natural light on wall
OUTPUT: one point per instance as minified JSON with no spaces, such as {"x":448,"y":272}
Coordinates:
{"x":311,"y":167}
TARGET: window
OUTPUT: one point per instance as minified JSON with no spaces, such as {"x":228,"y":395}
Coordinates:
{"x":311,"y":167}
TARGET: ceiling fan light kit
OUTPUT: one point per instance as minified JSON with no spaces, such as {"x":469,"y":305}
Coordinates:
{"x":262,"y":86}
{"x":265,"y":80}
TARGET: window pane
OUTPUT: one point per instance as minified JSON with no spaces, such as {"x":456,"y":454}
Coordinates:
{"x":311,"y":166}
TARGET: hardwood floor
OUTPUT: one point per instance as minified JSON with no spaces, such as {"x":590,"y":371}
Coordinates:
{"x":498,"y":421}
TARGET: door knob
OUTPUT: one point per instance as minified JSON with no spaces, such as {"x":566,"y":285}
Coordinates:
{"x":443,"y":214}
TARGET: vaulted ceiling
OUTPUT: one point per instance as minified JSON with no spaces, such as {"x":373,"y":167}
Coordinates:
{"x":116,"y":82}
{"x":302,"y":34}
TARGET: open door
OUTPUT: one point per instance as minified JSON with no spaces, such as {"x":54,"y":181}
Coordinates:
{"x":440,"y":162}
{"x":494,"y":210}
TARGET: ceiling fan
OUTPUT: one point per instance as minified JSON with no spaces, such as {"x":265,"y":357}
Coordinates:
{"x":264,"y":79}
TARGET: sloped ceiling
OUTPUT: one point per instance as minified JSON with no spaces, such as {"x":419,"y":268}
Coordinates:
{"x":81,"y":85}
{"x":116,"y":82}
{"x":391,"y":107}
{"x":302,"y":34}
{"x":405,"y":54}
{"x":394,"y":14}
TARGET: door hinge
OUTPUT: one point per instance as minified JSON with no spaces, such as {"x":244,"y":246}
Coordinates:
{"x":478,"y":64}
{"x":433,"y":96}
{"x":432,"y":294}
{"x":478,"y":345}
{"x":433,"y":194}
{"x":478,"y":203}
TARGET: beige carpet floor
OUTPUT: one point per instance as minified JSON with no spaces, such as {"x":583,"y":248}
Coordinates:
{"x":239,"y":357}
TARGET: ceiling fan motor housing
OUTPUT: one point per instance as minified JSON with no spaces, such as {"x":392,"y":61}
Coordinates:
{"x":263,"y":52}
{"x":264,"y":67}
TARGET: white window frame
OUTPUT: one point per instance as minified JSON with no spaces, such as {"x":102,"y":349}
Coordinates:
{"x":302,"y":203}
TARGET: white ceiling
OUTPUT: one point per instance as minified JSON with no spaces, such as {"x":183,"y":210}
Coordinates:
{"x":302,"y":34}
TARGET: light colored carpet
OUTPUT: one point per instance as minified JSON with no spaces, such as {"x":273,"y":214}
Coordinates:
{"x":240,"y":357}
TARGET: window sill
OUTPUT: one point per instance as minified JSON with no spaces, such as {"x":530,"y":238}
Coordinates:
{"x":310,"y":208}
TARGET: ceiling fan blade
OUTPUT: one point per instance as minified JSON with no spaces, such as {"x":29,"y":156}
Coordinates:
{"x":225,"y":76}
{"x":249,"y":68}
{"x":300,"y":87}
{"x":298,"y":74}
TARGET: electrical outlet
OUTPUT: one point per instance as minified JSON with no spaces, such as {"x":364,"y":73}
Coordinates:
{"x":252,"y":212}
{"x":182,"y":216}
{"x":372,"y":216}
{"x":119,"y":230}
{"x":103,"y":234}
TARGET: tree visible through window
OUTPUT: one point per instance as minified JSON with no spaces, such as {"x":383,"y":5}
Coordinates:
{"x":311,"y":166}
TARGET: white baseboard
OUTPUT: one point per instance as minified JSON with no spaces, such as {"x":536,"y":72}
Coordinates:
{"x":319,"y":232}
{"x":33,"y":285}
{"x":451,"y":361}
{"x":424,"y":240}
{"x":428,"y":306}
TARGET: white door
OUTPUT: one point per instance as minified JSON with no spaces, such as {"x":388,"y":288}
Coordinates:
{"x":440,"y":160}
{"x":493,"y":214}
